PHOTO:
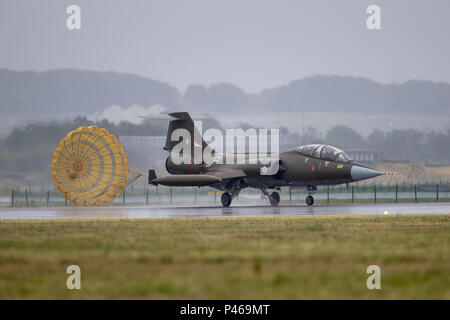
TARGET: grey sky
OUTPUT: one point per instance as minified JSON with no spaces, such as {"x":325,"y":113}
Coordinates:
{"x":254,"y":44}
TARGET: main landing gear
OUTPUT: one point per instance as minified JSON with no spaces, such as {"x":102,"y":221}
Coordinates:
{"x":310,"y":198}
{"x":226,"y":199}
{"x":274,"y":198}
{"x":233,"y":191}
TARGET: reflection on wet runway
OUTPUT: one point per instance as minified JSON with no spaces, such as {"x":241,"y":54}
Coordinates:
{"x":216,"y":211}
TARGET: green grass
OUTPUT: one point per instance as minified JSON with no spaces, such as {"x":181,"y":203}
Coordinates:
{"x":215,"y":258}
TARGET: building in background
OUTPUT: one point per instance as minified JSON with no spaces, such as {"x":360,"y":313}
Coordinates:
{"x":364,"y":155}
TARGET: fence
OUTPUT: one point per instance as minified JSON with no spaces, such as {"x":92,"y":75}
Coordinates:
{"x":149,"y":195}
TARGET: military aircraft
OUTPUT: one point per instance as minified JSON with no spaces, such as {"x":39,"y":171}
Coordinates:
{"x":307,"y":166}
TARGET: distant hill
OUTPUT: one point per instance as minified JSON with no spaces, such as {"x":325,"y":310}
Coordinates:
{"x":79,"y":92}
{"x":68,"y":92}
{"x":330,"y":94}
{"x":333,"y":93}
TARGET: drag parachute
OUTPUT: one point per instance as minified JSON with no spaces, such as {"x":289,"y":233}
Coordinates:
{"x":90,"y":167}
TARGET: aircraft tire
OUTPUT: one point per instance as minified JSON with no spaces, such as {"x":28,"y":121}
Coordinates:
{"x":274,"y":199}
{"x":309,"y":200}
{"x":226,"y":199}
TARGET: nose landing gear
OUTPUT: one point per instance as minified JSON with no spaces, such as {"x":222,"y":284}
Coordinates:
{"x":310,"y":198}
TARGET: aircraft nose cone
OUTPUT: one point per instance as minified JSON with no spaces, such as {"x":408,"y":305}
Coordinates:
{"x":361,"y":173}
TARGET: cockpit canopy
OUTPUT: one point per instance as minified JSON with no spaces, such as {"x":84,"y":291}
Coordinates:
{"x":323,"y":151}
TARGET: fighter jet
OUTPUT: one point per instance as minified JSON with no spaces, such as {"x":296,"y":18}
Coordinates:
{"x":307,"y":166}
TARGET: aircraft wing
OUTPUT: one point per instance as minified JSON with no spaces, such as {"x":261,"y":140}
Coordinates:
{"x":194,"y":179}
{"x":228,"y":174}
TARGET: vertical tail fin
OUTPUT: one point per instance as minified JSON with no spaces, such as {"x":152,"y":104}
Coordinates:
{"x":184,"y":121}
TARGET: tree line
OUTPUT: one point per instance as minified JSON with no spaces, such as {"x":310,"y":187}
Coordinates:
{"x":420,"y":146}
{"x":29,"y":149}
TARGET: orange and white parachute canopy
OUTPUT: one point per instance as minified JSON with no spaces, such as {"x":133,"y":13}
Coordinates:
{"x":90,"y":167}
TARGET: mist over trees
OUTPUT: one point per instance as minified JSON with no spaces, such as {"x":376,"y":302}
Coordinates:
{"x":429,"y":147}
{"x":29,"y":149}
{"x":344,"y":137}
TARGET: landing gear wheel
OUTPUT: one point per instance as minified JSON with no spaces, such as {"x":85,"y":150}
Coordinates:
{"x":309,"y":200}
{"x":274,"y":199}
{"x":226,"y":199}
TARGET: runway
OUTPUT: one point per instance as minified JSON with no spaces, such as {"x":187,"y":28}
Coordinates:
{"x":216,"y":211}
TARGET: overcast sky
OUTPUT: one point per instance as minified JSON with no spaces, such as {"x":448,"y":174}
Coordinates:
{"x":254,"y":44}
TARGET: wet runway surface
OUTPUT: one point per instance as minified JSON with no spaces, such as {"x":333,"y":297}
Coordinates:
{"x":216,"y":211}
